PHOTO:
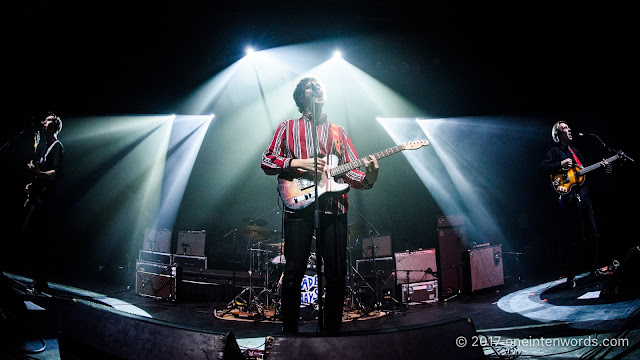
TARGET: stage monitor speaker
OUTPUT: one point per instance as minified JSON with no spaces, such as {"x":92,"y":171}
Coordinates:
{"x":376,"y":247}
{"x":448,"y":340}
{"x":157,"y":280}
{"x":485,"y":269}
{"x":416,"y":266}
{"x":624,"y":280}
{"x":452,"y":244}
{"x":94,"y":331}
{"x":191,"y":243}
{"x":157,"y":240}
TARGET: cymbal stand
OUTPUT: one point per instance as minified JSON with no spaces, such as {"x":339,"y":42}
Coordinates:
{"x":355,"y":299}
{"x":252,"y":300}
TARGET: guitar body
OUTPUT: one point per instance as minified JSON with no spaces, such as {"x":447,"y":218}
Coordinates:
{"x":298,"y":191}
{"x":563,"y":182}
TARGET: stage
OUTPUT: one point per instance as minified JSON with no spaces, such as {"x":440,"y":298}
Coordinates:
{"x":520,"y":318}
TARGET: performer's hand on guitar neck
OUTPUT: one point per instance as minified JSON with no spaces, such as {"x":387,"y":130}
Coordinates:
{"x":307,"y":165}
{"x":371,"y":169}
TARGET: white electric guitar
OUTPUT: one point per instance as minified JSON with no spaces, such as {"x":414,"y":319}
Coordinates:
{"x":298,"y":190}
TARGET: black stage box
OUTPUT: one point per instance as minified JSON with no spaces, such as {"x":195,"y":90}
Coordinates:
{"x":158,"y":281}
{"x":155,"y":257}
{"x":192,"y":262}
{"x":426,"y":291}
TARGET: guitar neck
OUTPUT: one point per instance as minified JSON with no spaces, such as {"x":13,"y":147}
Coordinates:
{"x":597,"y":165}
{"x":345,"y":168}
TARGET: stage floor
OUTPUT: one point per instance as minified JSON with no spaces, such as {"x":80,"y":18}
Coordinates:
{"x":518,"y":319}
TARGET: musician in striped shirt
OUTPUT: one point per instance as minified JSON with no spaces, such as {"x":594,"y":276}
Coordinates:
{"x":291,"y":155}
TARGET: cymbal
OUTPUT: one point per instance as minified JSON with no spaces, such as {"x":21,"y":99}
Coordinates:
{"x":274,"y":245}
{"x":256,"y":222}
{"x":255,"y":232}
{"x":355,"y":230}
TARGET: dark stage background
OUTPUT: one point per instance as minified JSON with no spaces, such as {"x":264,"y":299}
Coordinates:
{"x":528,"y":65}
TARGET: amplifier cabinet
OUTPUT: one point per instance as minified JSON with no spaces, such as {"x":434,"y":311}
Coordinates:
{"x":383,"y":265}
{"x":157,"y":240}
{"x":190,"y":262}
{"x":191,"y":242}
{"x":376,"y":247}
{"x":158,"y":281}
{"x":485,"y":268}
{"x":155,"y":257}
{"x":416,"y":266}
{"x":452,"y":246}
{"x":426,"y":291}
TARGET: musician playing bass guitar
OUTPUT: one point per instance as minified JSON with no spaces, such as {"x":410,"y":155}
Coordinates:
{"x":291,"y":155}
{"x":562,"y":164}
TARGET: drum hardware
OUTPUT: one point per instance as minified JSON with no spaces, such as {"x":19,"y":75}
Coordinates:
{"x":249,"y":303}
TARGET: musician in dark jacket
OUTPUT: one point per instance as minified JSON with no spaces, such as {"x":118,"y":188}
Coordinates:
{"x":575,"y":203}
{"x":39,"y":228}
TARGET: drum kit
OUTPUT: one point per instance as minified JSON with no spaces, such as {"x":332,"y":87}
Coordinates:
{"x":266,"y":261}
{"x":264,"y":257}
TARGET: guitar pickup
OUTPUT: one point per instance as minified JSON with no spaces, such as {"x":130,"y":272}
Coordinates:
{"x":304,"y":183}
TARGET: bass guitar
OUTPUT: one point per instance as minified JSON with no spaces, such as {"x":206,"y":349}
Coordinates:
{"x":565,"y":180}
{"x":297,"y":191}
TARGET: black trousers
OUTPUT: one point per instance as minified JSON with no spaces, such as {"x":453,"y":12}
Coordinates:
{"x":582,"y":246}
{"x":331,"y":248}
{"x":37,"y":232}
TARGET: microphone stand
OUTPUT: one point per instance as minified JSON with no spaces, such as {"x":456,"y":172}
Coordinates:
{"x":316,"y":212}
{"x":620,"y":153}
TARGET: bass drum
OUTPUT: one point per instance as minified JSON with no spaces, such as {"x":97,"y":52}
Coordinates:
{"x":309,"y":307}
{"x":308,"y":295}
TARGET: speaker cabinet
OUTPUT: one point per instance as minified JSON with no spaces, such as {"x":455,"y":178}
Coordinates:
{"x":376,"y":247}
{"x":191,"y":243}
{"x":416,"y":266}
{"x":157,"y":280}
{"x":435,"y":341}
{"x":452,"y":244}
{"x":157,"y":240}
{"x":94,"y":331}
{"x":485,"y":269}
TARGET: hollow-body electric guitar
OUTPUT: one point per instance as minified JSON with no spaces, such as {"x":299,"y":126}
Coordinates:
{"x":564,"y":181}
{"x":298,"y":190}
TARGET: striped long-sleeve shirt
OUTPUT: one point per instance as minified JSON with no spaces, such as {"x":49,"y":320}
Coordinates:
{"x":293,"y":139}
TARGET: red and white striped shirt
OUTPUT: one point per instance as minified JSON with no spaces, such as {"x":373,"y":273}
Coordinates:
{"x":293,"y":139}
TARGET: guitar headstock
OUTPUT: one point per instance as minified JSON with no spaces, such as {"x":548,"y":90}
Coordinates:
{"x":416,"y":144}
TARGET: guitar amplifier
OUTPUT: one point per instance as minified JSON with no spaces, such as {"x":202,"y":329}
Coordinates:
{"x":485,"y":268}
{"x":190,"y":262}
{"x":191,"y":243}
{"x":157,"y":240}
{"x":158,"y":281}
{"x":416,"y":266}
{"x":376,"y":247}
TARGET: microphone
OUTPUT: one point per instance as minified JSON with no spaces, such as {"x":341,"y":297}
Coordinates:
{"x":316,"y":90}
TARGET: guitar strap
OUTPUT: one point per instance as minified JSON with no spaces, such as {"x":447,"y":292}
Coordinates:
{"x":575,"y":157}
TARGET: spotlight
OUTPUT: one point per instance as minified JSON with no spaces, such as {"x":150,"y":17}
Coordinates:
{"x":337,"y":54}
{"x":249,"y":50}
